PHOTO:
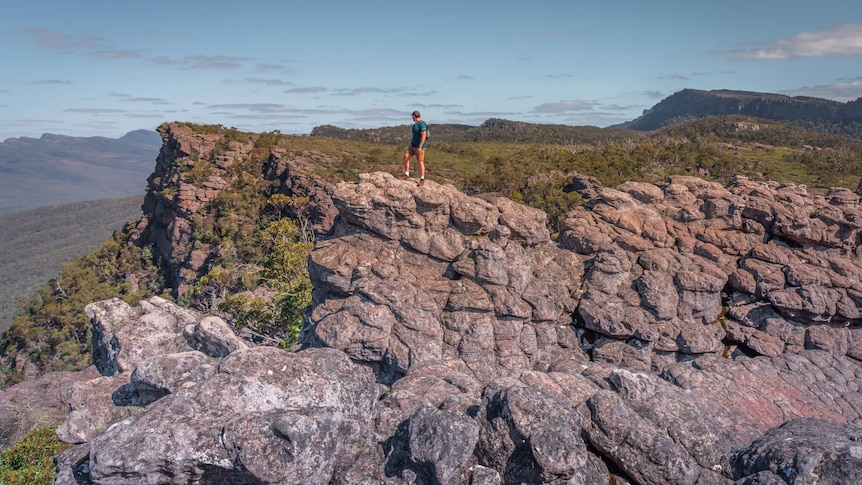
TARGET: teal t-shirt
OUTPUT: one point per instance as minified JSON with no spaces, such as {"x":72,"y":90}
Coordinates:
{"x":418,"y":128}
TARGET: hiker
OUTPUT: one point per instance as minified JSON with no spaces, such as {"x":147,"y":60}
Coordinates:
{"x":417,"y":147}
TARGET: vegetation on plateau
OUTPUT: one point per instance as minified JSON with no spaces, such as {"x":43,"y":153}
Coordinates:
{"x":30,"y":460}
{"x":257,"y":241}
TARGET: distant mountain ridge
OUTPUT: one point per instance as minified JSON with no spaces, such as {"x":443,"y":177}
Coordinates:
{"x":492,"y":130}
{"x":815,"y":114}
{"x":55,"y":169}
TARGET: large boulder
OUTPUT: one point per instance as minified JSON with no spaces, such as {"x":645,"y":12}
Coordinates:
{"x":803,"y":450}
{"x":124,"y":337}
{"x":266,"y":416}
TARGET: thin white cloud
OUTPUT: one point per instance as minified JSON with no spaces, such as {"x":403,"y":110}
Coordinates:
{"x":366,"y":90}
{"x":367,"y":113}
{"x":96,"y":47}
{"x":64,"y":42}
{"x":842,"y":40}
{"x":653,"y":94}
{"x":616,"y":107}
{"x":95,"y":110}
{"x":144,"y":115}
{"x":268,"y":82}
{"x":677,"y":77}
{"x":31,"y":122}
{"x":375,"y":114}
{"x":558,"y":76}
{"x":117,"y":54}
{"x":165,"y":61}
{"x":306,"y":89}
{"x":464,"y":77}
{"x":202,"y":62}
{"x":483,"y":115}
{"x":52,"y":81}
{"x":417,"y":94}
{"x":269,"y":117}
{"x":844,"y":90}
{"x":146,"y":100}
{"x":439,"y":106}
{"x":259,"y":107}
{"x":566,"y":106}
{"x":271,"y":67}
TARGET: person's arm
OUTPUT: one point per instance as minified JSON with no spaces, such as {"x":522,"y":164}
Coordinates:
{"x":424,"y":134}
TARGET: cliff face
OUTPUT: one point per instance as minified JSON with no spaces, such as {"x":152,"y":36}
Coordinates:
{"x":693,"y":103}
{"x":682,"y":333}
{"x":192,"y":170}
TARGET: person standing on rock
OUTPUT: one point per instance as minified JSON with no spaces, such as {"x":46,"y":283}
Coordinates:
{"x":417,"y":147}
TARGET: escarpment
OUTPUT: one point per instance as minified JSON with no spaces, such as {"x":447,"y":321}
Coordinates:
{"x":193,"y":171}
{"x":688,"y":332}
{"x":695,"y":103}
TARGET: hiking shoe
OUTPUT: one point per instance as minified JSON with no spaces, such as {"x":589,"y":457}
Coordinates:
{"x":404,"y":177}
{"x":421,"y":181}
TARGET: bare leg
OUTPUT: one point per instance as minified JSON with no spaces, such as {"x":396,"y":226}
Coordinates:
{"x":407,"y":160}
{"x":420,"y":156}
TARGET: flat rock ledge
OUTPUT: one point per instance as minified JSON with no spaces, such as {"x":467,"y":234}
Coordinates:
{"x":689,"y":333}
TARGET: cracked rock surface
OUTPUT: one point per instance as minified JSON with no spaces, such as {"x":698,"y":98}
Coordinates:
{"x":687,"y":333}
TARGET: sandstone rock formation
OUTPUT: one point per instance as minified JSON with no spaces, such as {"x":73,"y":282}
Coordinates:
{"x":686,"y":333}
{"x":176,"y":194}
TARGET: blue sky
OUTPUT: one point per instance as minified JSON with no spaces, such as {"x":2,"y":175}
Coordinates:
{"x":103,"y":68}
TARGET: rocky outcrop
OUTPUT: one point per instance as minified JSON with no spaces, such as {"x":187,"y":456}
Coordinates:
{"x":414,"y":276}
{"x":695,"y":103}
{"x":671,"y":334}
{"x":193,"y":168}
{"x":697,"y":268}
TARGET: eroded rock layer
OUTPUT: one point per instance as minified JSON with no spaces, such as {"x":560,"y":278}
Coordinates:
{"x":683,"y":333}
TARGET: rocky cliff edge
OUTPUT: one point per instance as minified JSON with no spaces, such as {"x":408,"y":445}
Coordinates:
{"x":685,"y":333}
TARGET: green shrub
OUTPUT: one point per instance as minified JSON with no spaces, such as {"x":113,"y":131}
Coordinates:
{"x":30,"y":460}
{"x":52,"y":328}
